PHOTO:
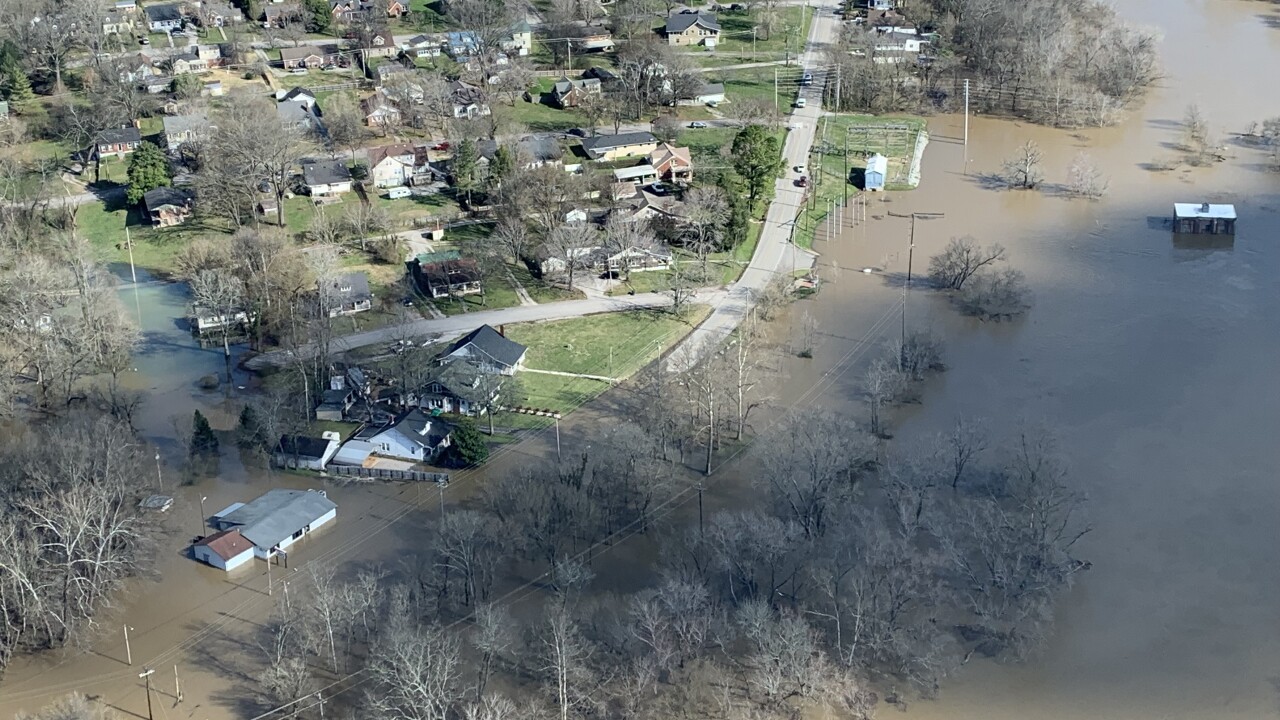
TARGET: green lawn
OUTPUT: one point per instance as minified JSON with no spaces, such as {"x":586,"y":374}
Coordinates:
{"x":827,"y":161}
{"x":723,"y":268}
{"x":539,"y":290}
{"x":153,"y":248}
{"x":612,"y":345}
{"x":498,"y":293}
{"x":758,"y":83}
{"x":790,"y":32}
{"x":537,"y":116}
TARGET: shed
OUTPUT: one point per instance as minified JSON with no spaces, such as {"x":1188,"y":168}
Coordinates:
{"x":301,"y":452}
{"x":226,"y":550}
{"x":877,"y":168}
{"x":1204,"y":219}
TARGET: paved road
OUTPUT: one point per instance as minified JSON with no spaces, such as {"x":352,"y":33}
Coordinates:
{"x":774,"y":249}
{"x":455,"y":325}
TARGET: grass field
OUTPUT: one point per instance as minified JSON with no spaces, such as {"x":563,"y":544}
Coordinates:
{"x":790,"y":32}
{"x":758,"y":83}
{"x":612,"y":345}
{"x":723,"y":268}
{"x":893,"y":136}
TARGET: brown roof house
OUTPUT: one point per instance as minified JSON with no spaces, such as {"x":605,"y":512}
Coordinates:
{"x":692,"y":29}
{"x":569,"y":93}
{"x":382,"y":44}
{"x":225,"y":550}
{"x":672,"y":163}
{"x":445,"y":278}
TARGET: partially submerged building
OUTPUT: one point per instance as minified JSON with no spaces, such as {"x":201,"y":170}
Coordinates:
{"x":1204,"y":219}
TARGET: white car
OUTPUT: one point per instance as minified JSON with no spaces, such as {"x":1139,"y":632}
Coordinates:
{"x":801,"y":102}
{"x":799,"y":169}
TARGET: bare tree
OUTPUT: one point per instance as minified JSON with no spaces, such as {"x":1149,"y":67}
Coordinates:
{"x":999,"y":295}
{"x":221,"y":295}
{"x":417,"y":671}
{"x":961,"y":260}
{"x":1023,"y":171}
{"x":260,"y":153}
{"x":707,"y":211}
{"x":564,"y":659}
{"x":1084,"y":179}
{"x":813,"y":461}
{"x":493,"y":637}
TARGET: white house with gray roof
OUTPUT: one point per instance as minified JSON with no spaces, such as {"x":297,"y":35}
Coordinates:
{"x":182,"y":129}
{"x":277,"y":519}
{"x":487,"y":349}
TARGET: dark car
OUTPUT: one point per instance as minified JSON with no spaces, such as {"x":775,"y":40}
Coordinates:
{"x":577,"y":132}
{"x":802,"y":181}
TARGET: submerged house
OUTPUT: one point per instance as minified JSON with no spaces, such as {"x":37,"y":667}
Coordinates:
{"x":1204,"y":219}
{"x":272,"y":522}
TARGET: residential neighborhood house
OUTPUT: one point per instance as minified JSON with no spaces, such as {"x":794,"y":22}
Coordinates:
{"x":623,"y":145}
{"x":457,"y":387}
{"x":379,"y":111}
{"x":671,"y":163}
{"x":692,"y":29}
{"x":414,"y":436}
{"x":488,"y":349}
{"x":167,"y":206}
{"x":382,"y":44}
{"x":468,"y":100}
{"x":447,"y":276}
{"x":301,"y":452}
{"x":163,"y":18}
{"x":309,"y":56}
{"x":347,"y":294}
{"x":326,"y":177}
{"x":568,"y":93}
{"x":391,"y":165}
{"x":117,"y":141}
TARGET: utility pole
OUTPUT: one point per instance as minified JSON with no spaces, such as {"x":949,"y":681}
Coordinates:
{"x":320,"y":704}
{"x":269,"y":573}
{"x":146,"y":675}
{"x":159,"y":477}
{"x":906,"y":287}
{"x":835,"y":106}
{"x":966,"y":126}
{"x":177,"y":686}
{"x":203,"y":518}
{"x":753,"y":38}
{"x":128,"y":652}
{"x":440,"y":486}
{"x":558,"y":458}
{"x":128,"y":240}
{"x":775,"y":88}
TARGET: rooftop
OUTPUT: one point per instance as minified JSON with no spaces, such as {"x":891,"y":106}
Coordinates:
{"x":302,"y":446}
{"x":1204,"y":210}
{"x":162,"y":196}
{"x":180,"y":124}
{"x":605,"y":142}
{"x":325,"y":172}
{"x":226,"y":544}
{"x":114,"y":136}
{"x":277,"y":515}
{"x":490,"y":343}
{"x":684,"y":21}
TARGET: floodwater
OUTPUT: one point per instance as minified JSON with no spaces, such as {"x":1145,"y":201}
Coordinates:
{"x":1152,"y":357}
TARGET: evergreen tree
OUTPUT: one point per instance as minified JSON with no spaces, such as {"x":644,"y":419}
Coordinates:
{"x":468,"y":447}
{"x":15,"y":86}
{"x":148,"y":170}
{"x":757,"y":158}
{"x":502,"y":167}
{"x":251,"y":435}
{"x":204,"y":445}
{"x":319,"y":16}
{"x":738,"y":224}
{"x":464,"y":168}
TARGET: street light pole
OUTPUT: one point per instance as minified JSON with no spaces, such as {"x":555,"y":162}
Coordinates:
{"x":159,"y":477}
{"x":128,"y":652}
{"x":203,"y":518}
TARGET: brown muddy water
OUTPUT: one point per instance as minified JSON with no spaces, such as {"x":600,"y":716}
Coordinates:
{"x":1154,"y":359}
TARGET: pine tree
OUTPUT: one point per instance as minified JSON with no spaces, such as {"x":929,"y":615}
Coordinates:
{"x":15,"y":86}
{"x":251,"y":435}
{"x":148,"y":170}
{"x":463,"y":168}
{"x":758,"y":158}
{"x":204,"y":445}
{"x":467,"y":447}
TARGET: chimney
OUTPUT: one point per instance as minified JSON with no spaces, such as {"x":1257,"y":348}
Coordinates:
{"x":1204,"y":207}
{"x":502,"y":330}
{"x":337,"y":382}
{"x":425,"y":428}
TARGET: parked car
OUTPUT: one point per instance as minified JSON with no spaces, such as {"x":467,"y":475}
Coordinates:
{"x":806,"y":79}
{"x":802,"y":181}
{"x":799,"y":169}
{"x":697,"y":124}
{"x":801,"y":102}
{"x":298,"y":71}
{"x":440,"y":146}
{"x":144,"y":40}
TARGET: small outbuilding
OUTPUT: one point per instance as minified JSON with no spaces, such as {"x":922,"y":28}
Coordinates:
{"x":877,"y":169}
{"x":300,"y":452}
{"x":1204,"y":219}
{"x":226,"y":550}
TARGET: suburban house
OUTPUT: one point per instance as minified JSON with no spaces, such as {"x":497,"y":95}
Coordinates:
{"x":692,"y":29}
{"x":409,"y":90}
{"x":117,"y":22}
{"x":414,"y":436}
{"x":608,"y":78}
{"x":225,"y":550}
{"x":671,"y":163}
{"x":457,"y":387}
{"x":219,"y":14}
{"x":382,"y":44}
{"x":623,"y":145}
{"x":396,"y":8}
{"x":281,"y":15}
{"x":568,"y":93}
{"x":391,"y":165}
{"x":896,"y":44}
{"x":424,"y":46}
{"x":326,"y":177}
{"x":601,"y":42}
{"x":531,"y":152}
{"x":461,"y":46}
{"x":347,"y":294}
{"x":118,"y":141}
{"x":468,"y":100}
{"x":346,"y":10}
{"x":297,"y":94}
{"x":521,"y":40}
{"x":445,"y":276}
{"x":136,"y":68}
{"x":204,"y":320}
{"x":709,"y":94}
{"x":167,"y":206}
{"x":336,"y":401}
{"x":301,"y":111}
{"x":128,"y":6}
{"x":1204,"y":219}
{"x":379,"y":111}
{"x":300,"y":452}
{"x":488,"y":349}
{"x":638,"y":175}
{"x":163,"y":18}
{"x":277,"y":519}
{"x":309,"y":56}
{"x":188,"y":63}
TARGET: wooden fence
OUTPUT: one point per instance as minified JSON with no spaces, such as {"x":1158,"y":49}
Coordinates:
{"x":387,"y":474}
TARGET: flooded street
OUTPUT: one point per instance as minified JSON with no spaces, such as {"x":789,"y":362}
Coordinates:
{"x":1154,"y":360}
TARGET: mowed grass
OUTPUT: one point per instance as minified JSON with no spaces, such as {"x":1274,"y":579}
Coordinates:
{"x":723,"y":268}
{"x":790,"y":31}
{"x":585,"y":345}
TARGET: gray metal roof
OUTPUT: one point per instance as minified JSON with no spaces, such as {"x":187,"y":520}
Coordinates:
{"x":684,"y":21}
{"x":491,"y":344}
{"x":278,"y":514}
{"x":604,"y":142}
{"x":161,"y":13}
{"x":180,"y":124}
{"x":325,"y":172}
